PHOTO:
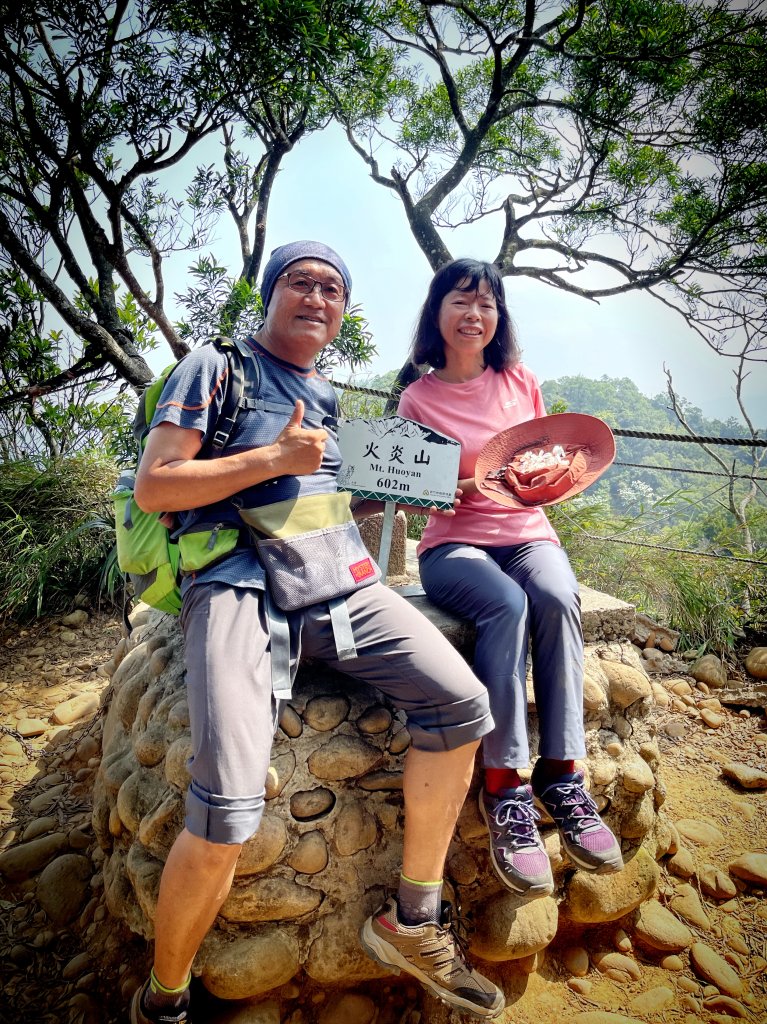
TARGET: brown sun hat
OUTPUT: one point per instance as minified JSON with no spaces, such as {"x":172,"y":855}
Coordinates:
{"x":520,"y":468}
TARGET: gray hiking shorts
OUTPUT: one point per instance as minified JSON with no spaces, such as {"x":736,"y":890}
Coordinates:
{"x":234,"y":713}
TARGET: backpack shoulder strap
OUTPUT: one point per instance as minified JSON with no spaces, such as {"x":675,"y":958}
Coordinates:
{"x":147,"y":403}
{"x":238,"y":355}
{"x":251,"y":400}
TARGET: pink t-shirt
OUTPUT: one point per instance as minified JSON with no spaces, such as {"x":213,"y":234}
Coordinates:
{"x":472,"y":413}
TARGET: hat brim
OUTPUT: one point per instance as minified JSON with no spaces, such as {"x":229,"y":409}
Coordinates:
{"x":569,"y":429}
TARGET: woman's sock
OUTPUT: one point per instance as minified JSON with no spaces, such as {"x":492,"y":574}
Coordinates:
{"x":497,"y":779}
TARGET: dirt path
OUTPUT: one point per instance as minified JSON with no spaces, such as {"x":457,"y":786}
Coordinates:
{"x":56,"y":973}
{"x":81,"y":970}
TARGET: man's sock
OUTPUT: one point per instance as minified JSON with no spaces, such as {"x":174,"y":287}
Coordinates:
{"x":158,"y":997}
{"x":497,"y":779}
{"x":547,"y":771}
{"x":418,"y":902}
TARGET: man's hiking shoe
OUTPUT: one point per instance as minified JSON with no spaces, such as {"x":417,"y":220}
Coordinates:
{"x":588,"y":841}
{"x":140,"y":1015}
{"x":432,"y":953}
{"x":516,"y":850}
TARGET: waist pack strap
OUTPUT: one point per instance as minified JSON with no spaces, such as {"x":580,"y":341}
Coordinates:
{"x":285,"y":659}
{"x":283,"y":672}
{"x":342,"y":629}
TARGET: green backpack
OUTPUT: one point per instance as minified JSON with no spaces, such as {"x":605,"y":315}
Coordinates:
{"x":146,"y":553}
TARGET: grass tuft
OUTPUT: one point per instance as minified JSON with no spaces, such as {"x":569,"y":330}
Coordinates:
{"x":56,"y":532}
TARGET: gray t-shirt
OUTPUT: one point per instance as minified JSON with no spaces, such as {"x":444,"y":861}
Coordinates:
{"x":193,"y":398}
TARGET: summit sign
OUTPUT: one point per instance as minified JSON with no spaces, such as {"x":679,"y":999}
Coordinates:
{"x":394,"y":459}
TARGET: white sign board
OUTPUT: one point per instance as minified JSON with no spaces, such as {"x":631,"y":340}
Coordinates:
{"x":394,"y":459}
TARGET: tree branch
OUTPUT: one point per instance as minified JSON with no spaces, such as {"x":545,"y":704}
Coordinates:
{"x":120,"y":353}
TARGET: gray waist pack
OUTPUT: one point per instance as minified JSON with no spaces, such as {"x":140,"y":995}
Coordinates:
{"x":316,"y":566}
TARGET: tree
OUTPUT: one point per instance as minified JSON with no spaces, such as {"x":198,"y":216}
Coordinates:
{"x":740,"y":495}
{"x":620,"y":144}
{"x":100,"y":105}
{"x":68,"y":411}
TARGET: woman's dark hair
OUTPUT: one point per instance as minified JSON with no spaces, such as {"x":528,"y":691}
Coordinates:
{"x":466,"y":275}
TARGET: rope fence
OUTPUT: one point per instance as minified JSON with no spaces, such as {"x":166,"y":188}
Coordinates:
{"x":651,"y":435}
{"x":699,"y":472}
{"x":360,"y":390}
{"x":677,"y":551}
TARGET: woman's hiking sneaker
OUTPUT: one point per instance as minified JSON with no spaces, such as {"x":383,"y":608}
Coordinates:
{"x":517,"y":852}
{"x":141,"y":1014}
{"x":432,"y":953}
{"x":588,"y":841}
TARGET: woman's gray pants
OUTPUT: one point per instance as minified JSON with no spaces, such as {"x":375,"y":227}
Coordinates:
{"x":512,"y":594}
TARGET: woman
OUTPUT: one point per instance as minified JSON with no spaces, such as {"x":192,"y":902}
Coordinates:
{"x":505,"y":570}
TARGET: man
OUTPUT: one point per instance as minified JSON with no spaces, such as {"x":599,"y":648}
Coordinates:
{"x":273,"y":462}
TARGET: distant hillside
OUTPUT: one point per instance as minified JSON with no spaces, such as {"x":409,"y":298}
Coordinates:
{"x":619,"y":402}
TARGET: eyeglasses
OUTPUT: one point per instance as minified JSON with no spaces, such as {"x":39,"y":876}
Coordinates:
{"x":302,"y":283}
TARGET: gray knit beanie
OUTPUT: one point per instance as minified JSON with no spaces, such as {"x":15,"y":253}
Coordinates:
{"x":284,"y":255}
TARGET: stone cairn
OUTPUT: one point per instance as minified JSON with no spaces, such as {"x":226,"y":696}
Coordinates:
{"x":330,"y":844}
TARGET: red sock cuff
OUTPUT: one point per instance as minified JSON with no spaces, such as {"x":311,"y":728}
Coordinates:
{"x":497,"y":779}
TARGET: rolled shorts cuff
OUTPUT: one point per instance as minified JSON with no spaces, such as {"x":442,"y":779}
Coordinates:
{"x":450,"y":726}
{"x":222,"y":819}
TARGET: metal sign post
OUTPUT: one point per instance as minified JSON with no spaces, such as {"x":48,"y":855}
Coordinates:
{"x":387,"y":531}
{"x":397,"y":461}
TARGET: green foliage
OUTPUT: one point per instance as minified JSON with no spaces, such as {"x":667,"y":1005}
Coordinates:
{"x":355,"y":404}
{"x":45,"y":413}
{"x":27,"y":355}
{"x":415,"y":526}
{"x":706,"y":605}
{"x":710,"y":601}
{"x":511,"y":144}
{"x":353,"y":347}
{"x":271,"y":42}
{"x":56,"y":533}
{"x":215,"y":302}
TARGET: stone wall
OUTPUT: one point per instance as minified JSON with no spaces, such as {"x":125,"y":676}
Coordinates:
{"x":370,"y":530}
{"x":330,"y":844}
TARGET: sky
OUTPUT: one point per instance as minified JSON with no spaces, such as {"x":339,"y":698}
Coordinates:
{"x":323,"y":192}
